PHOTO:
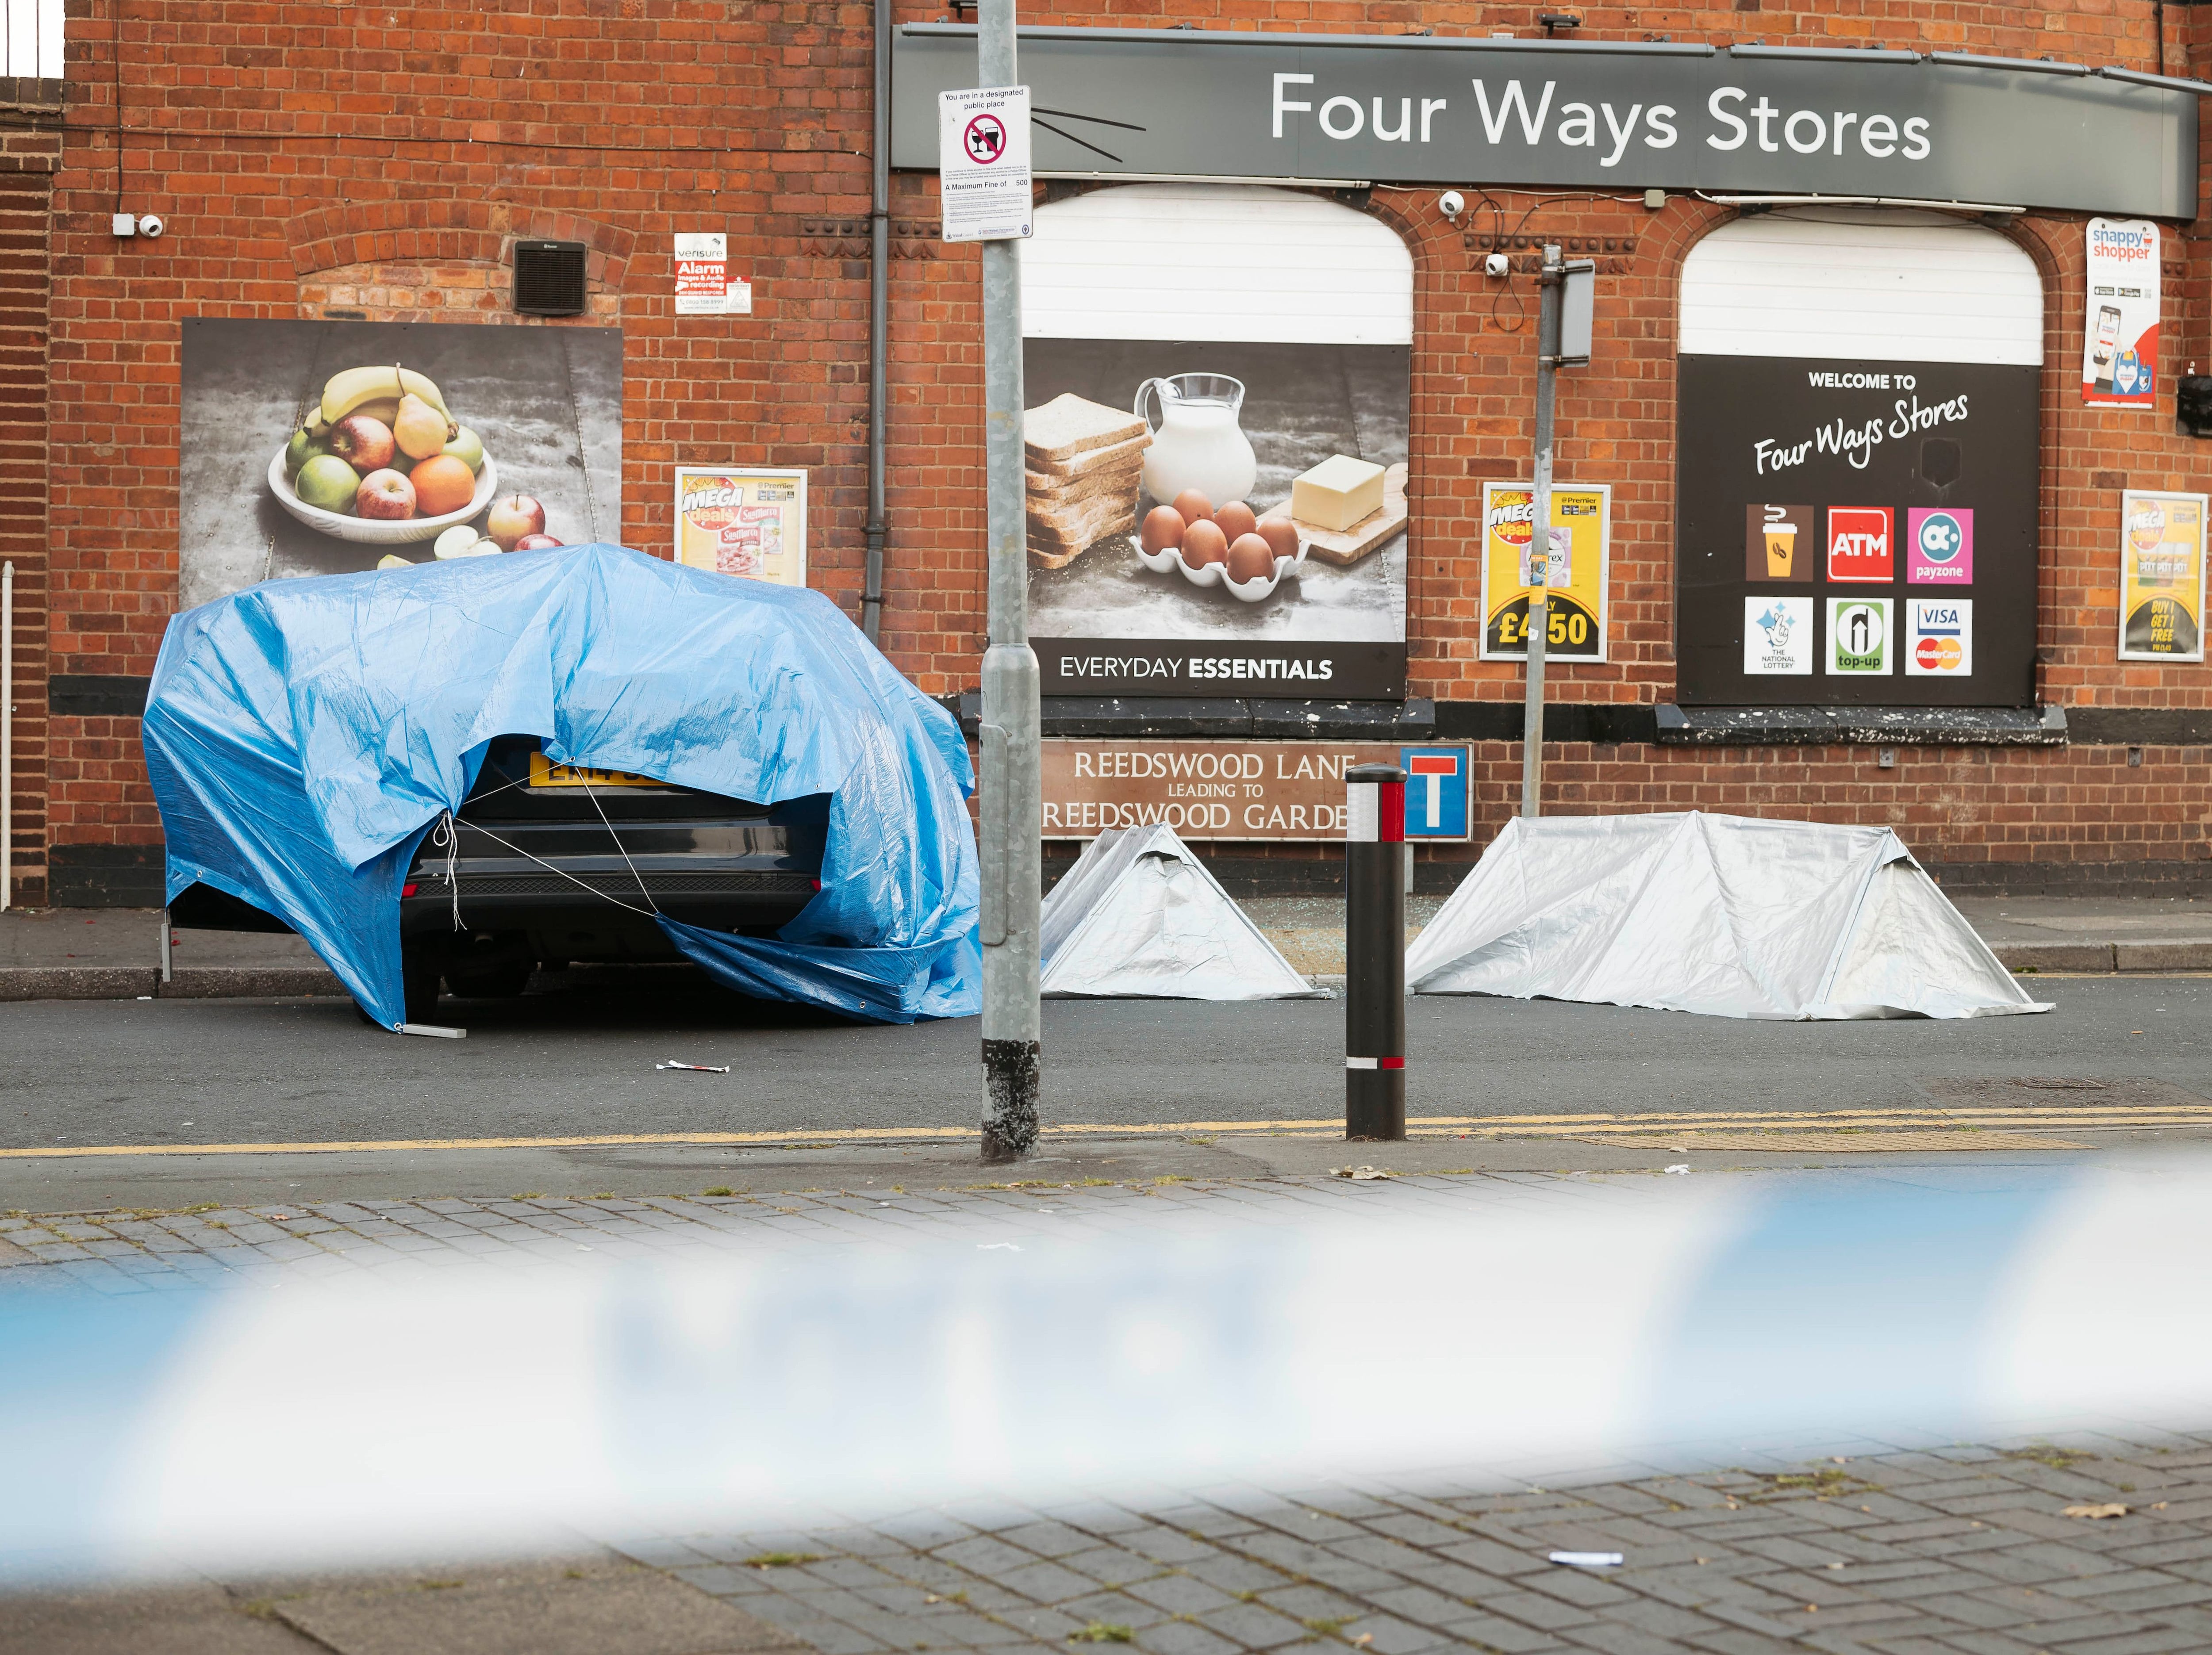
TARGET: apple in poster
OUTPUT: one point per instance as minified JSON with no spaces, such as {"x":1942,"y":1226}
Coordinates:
{"x":363,"y":442}
{"x":513,"y":516}
{"x":387,"y":494}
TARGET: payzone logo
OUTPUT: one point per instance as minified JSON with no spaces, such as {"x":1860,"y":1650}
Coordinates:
{"x":1861,"y":542}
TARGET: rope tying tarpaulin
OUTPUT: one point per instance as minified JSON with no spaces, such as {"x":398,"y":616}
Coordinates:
{"x":303,"y":734}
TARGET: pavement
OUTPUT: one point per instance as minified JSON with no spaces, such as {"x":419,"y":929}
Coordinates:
{"x":1901,"y":1545}
{"x":115,"y":953}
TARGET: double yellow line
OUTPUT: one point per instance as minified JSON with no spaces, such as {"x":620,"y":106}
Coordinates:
{"x":1780,"y":1123}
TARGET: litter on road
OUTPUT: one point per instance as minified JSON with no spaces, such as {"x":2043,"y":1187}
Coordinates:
{"x":1361,"y":1174}
{"x":695,"y":1068}
{"x":2096,"y":1513}
{"x":1589,"y":1559}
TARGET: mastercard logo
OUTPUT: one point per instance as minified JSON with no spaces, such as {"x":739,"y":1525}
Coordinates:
{"x":1938,"y":654}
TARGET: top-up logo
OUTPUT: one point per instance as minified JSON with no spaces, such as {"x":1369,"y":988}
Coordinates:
{"x":1858,"y":635}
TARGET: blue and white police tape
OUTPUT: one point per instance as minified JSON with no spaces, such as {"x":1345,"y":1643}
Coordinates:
{"x":486,"y":1407}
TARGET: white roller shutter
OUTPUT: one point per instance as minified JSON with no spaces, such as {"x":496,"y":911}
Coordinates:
{"x":1862,"y":284}
{"x":1223,"y":261}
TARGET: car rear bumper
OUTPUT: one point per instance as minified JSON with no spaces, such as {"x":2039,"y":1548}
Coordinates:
{"x":597,"y":913}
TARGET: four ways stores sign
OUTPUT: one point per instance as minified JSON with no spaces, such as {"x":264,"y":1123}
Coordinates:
{"x":1599,"y":114}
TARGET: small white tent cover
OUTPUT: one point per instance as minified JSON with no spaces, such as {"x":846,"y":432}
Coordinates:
{"x":1725,"y":915}
{"x":1139,"y":915}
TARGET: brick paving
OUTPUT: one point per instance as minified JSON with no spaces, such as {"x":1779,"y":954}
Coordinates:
{"x":1908,"y":1549}
{"x":1909,"y":1553}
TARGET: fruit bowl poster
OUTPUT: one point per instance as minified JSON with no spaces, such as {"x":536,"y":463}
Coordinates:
{"x":743,"y":521}
{"x":329,"y":447}
{"x":1218,"y":413}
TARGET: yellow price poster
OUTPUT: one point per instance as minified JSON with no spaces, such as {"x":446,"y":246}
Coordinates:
{"x":1575,"y":575}
{"x":2161,"y":576}
{"x":743,"y":521}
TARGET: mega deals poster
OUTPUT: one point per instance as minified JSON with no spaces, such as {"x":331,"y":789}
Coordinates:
{"x":2119,"y":353}
{"x":1576,"y":573}
{"x":2161,"y":576}
{"x":746,"y":520}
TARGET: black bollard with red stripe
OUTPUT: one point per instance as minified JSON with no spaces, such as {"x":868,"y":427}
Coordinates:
{"x":1374,"y":952}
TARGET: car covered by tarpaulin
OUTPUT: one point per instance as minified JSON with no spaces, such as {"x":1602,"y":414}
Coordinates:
{"x":304,"y":736}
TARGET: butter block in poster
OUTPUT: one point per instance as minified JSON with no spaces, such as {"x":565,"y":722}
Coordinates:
{"x":2161,"y":576}
{"x":1576,"y":576}
{"x":748,"y":521}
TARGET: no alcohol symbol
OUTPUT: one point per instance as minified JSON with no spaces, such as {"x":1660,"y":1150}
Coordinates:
{"x":985,"y":139}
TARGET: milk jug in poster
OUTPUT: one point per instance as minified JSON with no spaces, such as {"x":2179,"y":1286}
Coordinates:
{"x":1197,"y":443}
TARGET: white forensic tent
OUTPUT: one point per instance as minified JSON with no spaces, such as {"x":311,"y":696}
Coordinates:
{"x":1725,"y":915}
{"x":1139,"y":915}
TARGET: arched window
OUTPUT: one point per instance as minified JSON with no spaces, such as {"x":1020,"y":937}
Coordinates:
{"x":1229,"y":339}
{"x":1856,"y":463}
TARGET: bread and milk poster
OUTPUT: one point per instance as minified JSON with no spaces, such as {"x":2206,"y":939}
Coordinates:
{"x":2119,"y":353}
{"x":1219,"y":407}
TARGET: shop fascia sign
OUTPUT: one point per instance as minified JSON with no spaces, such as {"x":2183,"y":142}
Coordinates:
{"x":1949,"y":127}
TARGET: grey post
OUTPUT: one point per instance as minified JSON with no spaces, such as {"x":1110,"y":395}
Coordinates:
{"x":1539,"y":534}
{"x":1013,"y":785}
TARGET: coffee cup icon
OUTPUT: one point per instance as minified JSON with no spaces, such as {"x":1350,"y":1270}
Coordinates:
{"x":1781,"y":544}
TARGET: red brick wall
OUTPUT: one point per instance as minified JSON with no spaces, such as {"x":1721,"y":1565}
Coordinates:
{"x":382,"y":159}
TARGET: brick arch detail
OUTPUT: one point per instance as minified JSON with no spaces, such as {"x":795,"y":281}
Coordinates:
{"x":449,"y":231}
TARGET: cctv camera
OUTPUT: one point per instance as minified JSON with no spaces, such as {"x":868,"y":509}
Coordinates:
{"x":1496,"y":265}
{"x":151,"y":225}
{"x":1451,"y":203}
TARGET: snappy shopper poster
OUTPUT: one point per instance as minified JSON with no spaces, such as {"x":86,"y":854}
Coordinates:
{"x":2119,"y":348}
{"x":1855,"y":533}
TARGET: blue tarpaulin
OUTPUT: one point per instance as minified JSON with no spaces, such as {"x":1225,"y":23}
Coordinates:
{"x":303,"y":734}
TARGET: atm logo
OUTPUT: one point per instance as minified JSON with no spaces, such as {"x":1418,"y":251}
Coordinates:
{"x":1861,"y":542}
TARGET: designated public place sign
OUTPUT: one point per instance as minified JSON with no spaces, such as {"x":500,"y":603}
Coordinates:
{"x":983,"y":163}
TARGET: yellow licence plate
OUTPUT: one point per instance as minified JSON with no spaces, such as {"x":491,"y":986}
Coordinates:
{"x":544,"y":773}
